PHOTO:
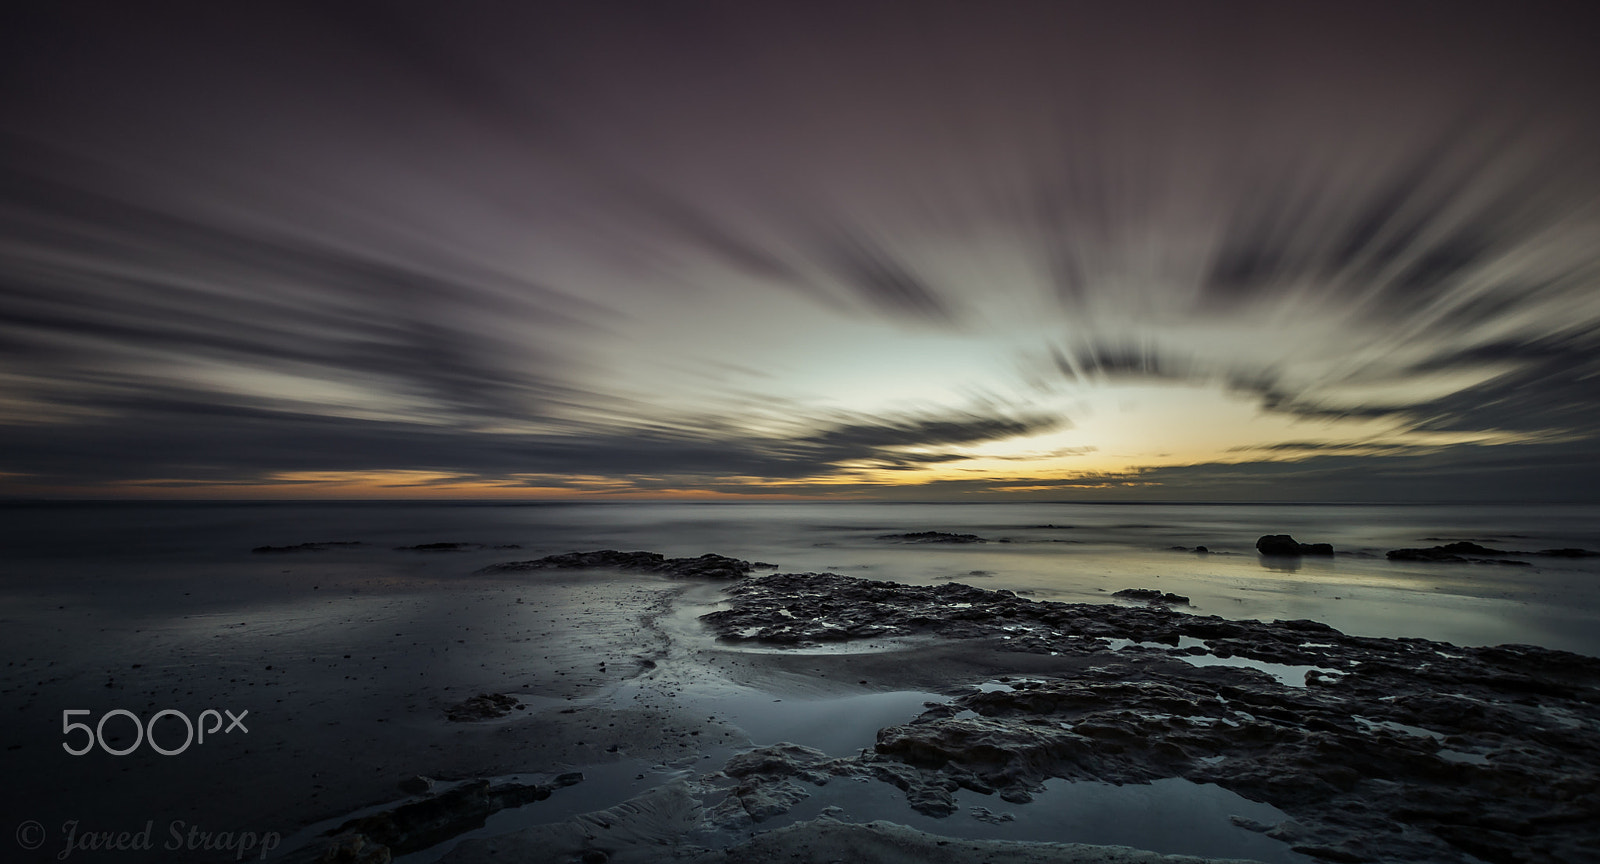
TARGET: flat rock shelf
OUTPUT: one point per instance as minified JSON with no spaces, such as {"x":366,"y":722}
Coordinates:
{"x":1393,"y":749}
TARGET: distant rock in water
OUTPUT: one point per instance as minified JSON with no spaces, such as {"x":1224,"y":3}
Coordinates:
{"x":1435,"y":553}
{"x":305,"y":547}
{"x":708,"y":566}
{"x":1459,"y":551}
{"x":1150,"y":595}
{"x":1198,"y":549}
{"x":451,"y":547}
{"x":1283,"y":544}
{"x":1448,"y":552}
{"x":933,"y":537}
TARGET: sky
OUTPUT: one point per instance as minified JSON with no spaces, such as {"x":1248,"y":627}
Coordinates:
{"x":1014,"y":250}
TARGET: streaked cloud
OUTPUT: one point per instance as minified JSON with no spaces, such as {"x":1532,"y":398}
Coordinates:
{"x":880,"y":249}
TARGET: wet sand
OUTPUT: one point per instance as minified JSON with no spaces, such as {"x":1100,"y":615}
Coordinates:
{"x":346,"y":679}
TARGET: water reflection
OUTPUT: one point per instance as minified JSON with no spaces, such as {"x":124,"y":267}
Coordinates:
{"x":1281,"y":563}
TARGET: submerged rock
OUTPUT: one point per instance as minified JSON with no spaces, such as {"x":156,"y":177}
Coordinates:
{"x":708,"y":566}
{"x":452,"y":547}
{"x":1567,"y":553}
{"x":1283,"y":544}
{"x":1151,"y":595}
{"x":1456,"y":552}
{"x":306,"y":547}
{"x":1462,"y":551}
{"x":647,"y":828}
{"x":1447,"y":552}
{"x":933,"y":537}
{"x":419,"y":824}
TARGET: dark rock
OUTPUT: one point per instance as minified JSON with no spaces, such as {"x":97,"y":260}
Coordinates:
{"x":984,"y":814}
{"x":1330,"y":853}
{"x":1150,"y":595}
{"x":1436,"y":553}
{"x":1285,"y":545}
{"x":419,"y":824}
{"x":777,"y":760}
{"x":933,"y":537}
{"x":1277,"y":544}
{"x":354,"y":849}
{"x":484,"y":706}
{"x":453,"y":547}
{"x":1336,"y":755}
{"x":1465,"y":548}
{"x":706,"y":566}
{"x":416,"y":785}
{"x":931,"y":801}
{"x":305,"y":547}
{"x":1567,"y":553}
{"x":1451,"y":552}
{"x":768,"y":781}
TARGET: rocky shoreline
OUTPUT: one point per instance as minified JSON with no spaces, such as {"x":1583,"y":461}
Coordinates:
{"x":1369,"y":749}
{"x":1394,"y":749}
{"x":707,"y":566}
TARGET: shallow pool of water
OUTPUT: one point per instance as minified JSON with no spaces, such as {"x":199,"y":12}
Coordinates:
{"x":836,"y":725}
{"x":1172,"y":816}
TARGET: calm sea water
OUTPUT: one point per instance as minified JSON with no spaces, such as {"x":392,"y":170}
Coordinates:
{"x":1075,"y":552}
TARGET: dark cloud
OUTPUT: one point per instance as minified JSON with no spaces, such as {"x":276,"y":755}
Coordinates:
{"x":1457,"y":474}
{"x":188,"y":436}
{"x":244,"y":239}
{"x":1395,"y":245}
{"x":877,"y":276}
{"x":1535,"y":473}
{"x":883,"y":441}
{"x":1551,"y":383}
{"x":97,"y":279}
{"x":1317,"y":447}
{"x":1547,"y":384}
{"x":1101,"y":360}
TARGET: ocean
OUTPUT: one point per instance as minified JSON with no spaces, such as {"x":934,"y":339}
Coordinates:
{"x":1071,"y":552}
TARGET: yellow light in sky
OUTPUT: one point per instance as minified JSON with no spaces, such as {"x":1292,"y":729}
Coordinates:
{"x":1119,"y":429}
